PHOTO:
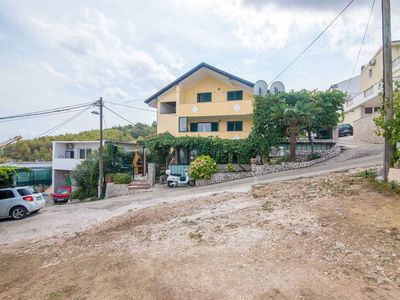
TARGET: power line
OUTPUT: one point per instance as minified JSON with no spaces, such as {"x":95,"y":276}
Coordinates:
{"x":47,"y":111}
{"x":36,"y":116}
{"x":362,"y":43}
{"x":130,"y":106}
{"x":119,"y":115}
{"x":62,"y":123}
{"x":312,"y":43}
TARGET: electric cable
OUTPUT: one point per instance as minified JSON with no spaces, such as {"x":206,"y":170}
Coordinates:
{"x":312,"y":43}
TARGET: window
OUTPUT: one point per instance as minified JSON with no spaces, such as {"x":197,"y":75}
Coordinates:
{"x":27,"y":191}
{"x":235,"y":95}
{"x":376,"y":108}
{"x":83,"y":153}
{"x":6,"y":194}
{"x":368,"y":110}
{"x":370,"y":73}
{"x":204,"y":127}
{"x":203,"y":97}
{"x":235,"y":125}
{"x":69,"y":154}
{"x":183,"y":124}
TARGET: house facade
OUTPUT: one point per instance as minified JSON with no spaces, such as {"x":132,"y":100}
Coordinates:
{"x":66,"y":156}
{"x":360,"y":108}
{"x":205,"y":101}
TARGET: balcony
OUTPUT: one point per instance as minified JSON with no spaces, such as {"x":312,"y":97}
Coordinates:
{"x":66,"y":163}
{"x":369,"y":94}
{"x":216,"y":108}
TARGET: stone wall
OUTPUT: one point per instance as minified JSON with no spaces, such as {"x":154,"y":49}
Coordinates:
{"x":151,"y":173}
{"x":223,"y":168}
{"x":258,"y":170}
{"x":364,"y":130}
{"x":115,"y":190}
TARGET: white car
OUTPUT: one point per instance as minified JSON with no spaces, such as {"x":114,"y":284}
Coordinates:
{"x":18,"y":202}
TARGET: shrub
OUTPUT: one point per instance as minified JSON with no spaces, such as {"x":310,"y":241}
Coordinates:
{"x":230,"y":167}
{"x":203,"y":167}
{"x":122,"y":178}
{"x":87,"y":177}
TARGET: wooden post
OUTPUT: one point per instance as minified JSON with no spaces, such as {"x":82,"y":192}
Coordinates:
{"x":387,"y":81}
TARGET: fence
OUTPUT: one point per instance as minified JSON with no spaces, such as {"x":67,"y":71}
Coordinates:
{"x":33,"y":177}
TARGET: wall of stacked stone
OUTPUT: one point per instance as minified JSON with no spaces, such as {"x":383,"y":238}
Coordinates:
{"x":115,"y":190}
{"x":258,"y":170}
{"x":223,"y":168}
{"x":364,"y":130}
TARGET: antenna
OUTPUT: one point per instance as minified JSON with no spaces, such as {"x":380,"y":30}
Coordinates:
{"x":277,"y":87}
{"x":260,"y":88}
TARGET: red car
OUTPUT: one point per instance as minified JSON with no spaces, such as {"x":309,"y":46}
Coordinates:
{"x":62,"y":194}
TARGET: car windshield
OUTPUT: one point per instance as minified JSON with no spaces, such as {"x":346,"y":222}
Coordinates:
{"x":62,"y":191}
{"x":27,"y":191}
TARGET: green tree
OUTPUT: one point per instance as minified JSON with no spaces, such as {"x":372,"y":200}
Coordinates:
{"x":391,"y":129}
{"x":266,"y":131}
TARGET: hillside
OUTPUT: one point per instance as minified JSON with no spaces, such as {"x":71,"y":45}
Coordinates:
{"x":40,"y":148}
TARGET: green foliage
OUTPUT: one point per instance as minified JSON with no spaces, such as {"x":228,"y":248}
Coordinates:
{"x":286,"y":114}
{"x":40,"y":148}
{"x":6,"y":176}
{"x":221,"y":150}
{"x":230,"y":167}
{"x":391,"y":129}
{"x":266,"y":131}
{"x":122,"y":178}
{"x":87,"y":177}
{"x":203,"y":167}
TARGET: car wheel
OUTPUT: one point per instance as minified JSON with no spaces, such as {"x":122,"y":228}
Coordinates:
{"x":18,"y":212}
{"x":191,"y":182}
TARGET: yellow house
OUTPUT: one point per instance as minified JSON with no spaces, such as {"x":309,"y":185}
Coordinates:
{"x":361,"y":106}
{"x":205,"y":101}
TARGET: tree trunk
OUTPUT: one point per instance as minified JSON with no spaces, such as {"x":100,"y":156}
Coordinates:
{"x":293,"y":139}
{"x":310,"y":139}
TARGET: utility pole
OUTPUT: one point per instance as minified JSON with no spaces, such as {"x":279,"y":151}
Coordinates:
{"x":101,"y":163}
{"x":387,"y":82}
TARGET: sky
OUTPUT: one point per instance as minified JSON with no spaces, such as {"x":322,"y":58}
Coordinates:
{"x":55,"y":53}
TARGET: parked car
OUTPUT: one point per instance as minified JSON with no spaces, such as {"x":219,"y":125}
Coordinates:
{"x":62,"y":194}
{"x":18,"y":202}
{"x":345,"y":129}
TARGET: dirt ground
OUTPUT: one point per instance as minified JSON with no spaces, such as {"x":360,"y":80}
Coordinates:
{"x":329,"y":237}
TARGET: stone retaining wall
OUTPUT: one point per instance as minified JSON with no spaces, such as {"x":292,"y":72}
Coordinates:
{"x":115,"y":190}
{"x":364,"y":130}
{"x":257,"y":170}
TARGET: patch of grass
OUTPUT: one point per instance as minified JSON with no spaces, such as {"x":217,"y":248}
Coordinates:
{"x":62,"y":293}
{"x":267,"y":207}
{"x":197,"y":236}
{"x":189,"y":222}
{"x":370,"y":177}
{"x":232,"y":225}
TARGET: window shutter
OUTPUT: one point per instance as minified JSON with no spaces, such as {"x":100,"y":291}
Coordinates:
{"x":214,"y":126}
{"x":193,"y":127}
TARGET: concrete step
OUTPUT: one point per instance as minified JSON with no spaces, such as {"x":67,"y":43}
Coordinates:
{"x":139,"y":185}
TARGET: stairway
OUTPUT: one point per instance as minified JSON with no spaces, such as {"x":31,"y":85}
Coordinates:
{"x":139,"y":185}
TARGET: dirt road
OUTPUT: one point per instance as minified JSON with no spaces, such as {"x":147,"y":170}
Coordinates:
{"x":67,"y":219}
{"x":326,"y":237}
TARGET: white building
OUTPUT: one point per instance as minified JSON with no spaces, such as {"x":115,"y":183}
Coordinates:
{"x":67,"y":155}
{"x":363,"y":104}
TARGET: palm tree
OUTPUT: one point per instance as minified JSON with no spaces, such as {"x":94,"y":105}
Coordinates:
{"x":297,"y":111}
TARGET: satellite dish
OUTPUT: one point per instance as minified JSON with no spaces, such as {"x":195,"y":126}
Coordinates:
{"x":277,"y":87}
{"x":260,"y":88}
